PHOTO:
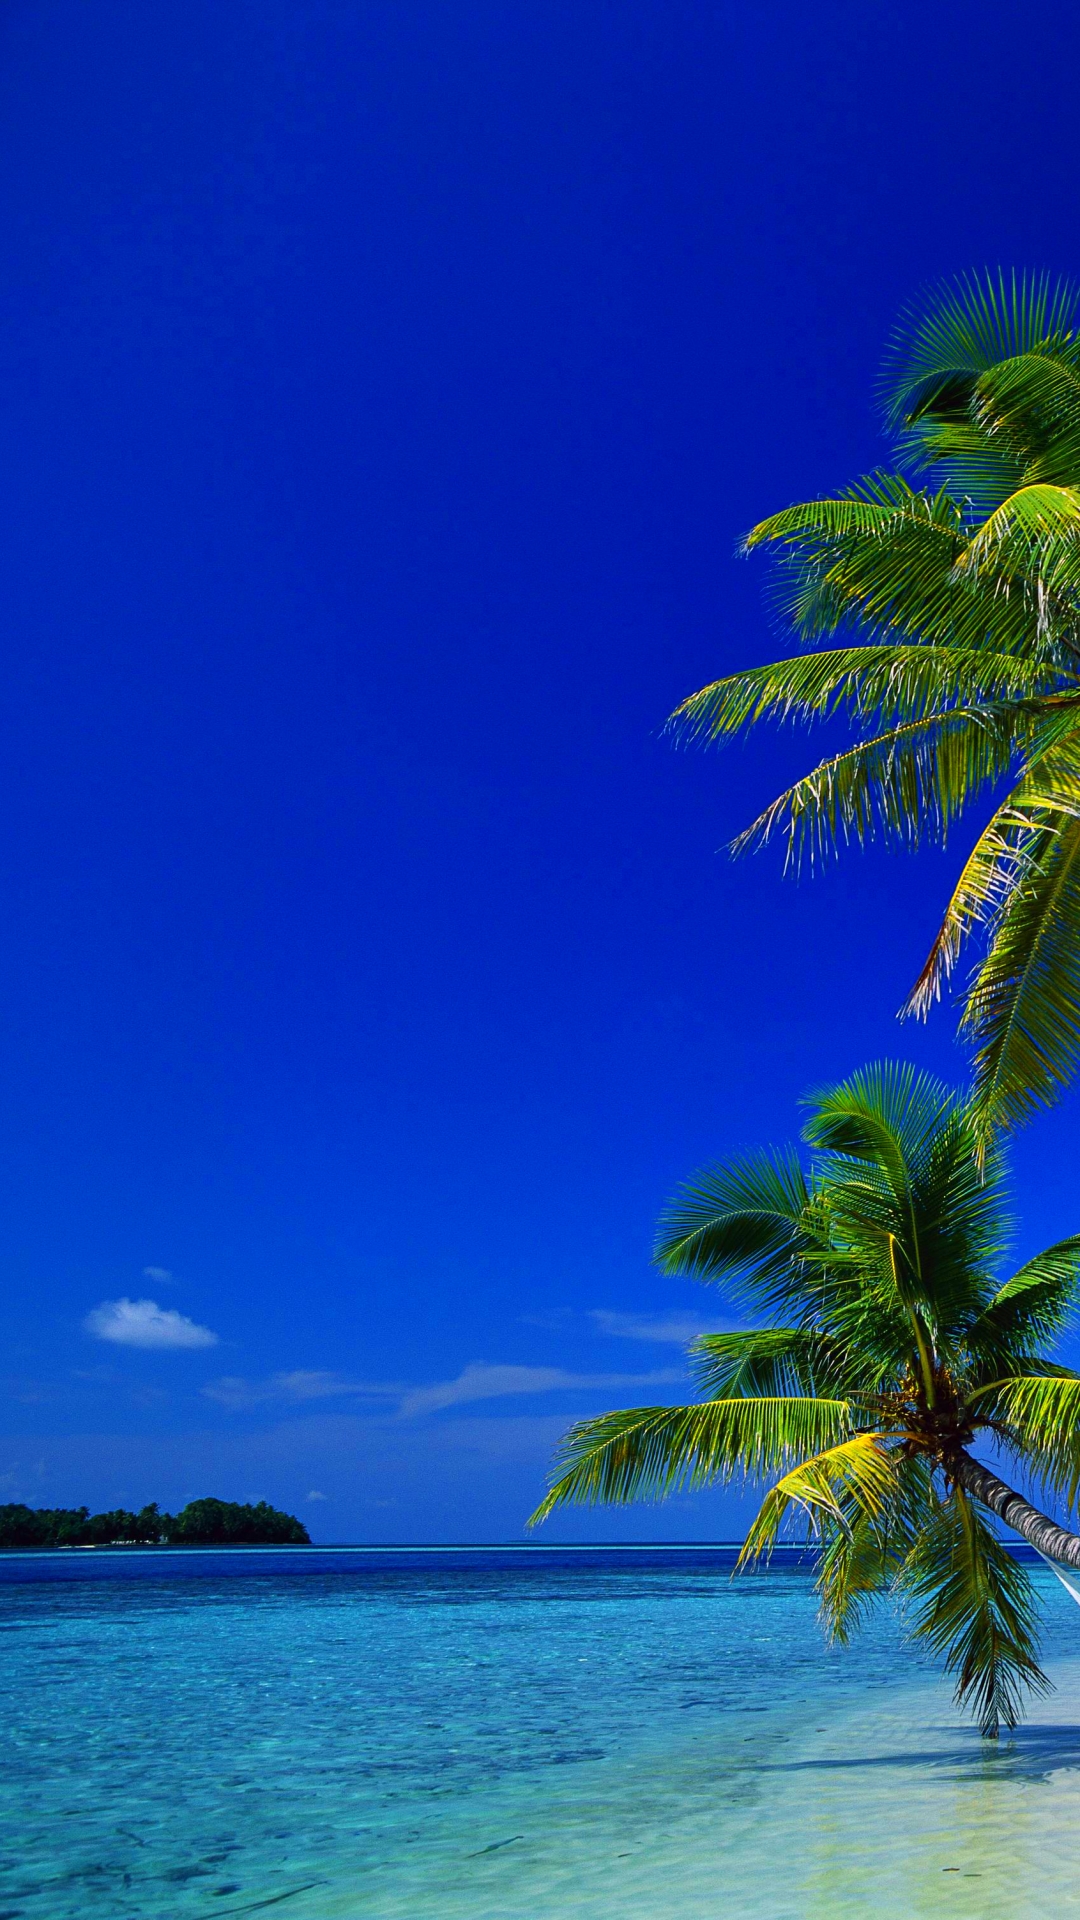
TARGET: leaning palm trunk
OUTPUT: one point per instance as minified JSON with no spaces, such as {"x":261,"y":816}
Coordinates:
{"x":898,"y":1349}
{"x":1040,"y":1532}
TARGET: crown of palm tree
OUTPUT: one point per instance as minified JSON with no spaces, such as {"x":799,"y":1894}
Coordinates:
{"x":958,"y":605}
{"x":897,"y":1346}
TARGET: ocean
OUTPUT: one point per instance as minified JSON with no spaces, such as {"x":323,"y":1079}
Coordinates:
{"x":504,"y":1735}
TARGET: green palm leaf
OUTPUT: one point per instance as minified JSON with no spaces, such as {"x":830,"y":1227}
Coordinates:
{"x":890,"y":564}
{"x":901,"y":1348}
{"x":869,"y":507}
{"x":1023,"y":1010}
{"x":956,"y":608}
{"x":1032,"y":536}
{"x":908,"y":1196}
{"x":885,"y":683}
{"x":1006,"y":854}
{"x":854,"y":1568}
{"x":888,"y":1115}
{"x":946,"y":340}
{"x":1040,"y":1415}
{"x":858,"y":1478}
{"x":647,"y":1453}
{"x":990,"y":875}
{"x":975,"y":1605}
{"x":775,"y":1361}
{"x":907,"y":784}
{"x":861,"y":1556}
{"x":1031,"y":403}
{"x":1035,"y":1305}
{"x":748,"y":1220}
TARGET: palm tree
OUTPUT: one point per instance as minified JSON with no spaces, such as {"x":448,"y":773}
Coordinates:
{"x":895,"y":1348}
{"x":955,"y":607}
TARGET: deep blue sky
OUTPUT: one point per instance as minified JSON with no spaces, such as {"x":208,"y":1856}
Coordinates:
{"x":383,"y":390}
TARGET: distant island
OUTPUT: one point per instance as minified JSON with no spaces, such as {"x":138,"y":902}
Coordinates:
{"x":202,"y":1523}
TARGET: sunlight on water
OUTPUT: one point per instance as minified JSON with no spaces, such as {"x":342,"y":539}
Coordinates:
{"x":478,"y":1738}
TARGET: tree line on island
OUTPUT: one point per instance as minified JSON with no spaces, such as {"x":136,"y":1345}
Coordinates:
{"x":202,"y":1523}
{"x":886,"y":1340}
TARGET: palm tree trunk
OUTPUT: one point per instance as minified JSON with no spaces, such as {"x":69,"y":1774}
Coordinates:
{"x":1037,"y":1528}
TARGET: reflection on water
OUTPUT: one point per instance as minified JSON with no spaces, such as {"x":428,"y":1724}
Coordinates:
{"x":632,"y":1738}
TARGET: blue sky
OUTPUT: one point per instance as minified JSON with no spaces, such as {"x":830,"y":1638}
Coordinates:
{"x":383,"y":391}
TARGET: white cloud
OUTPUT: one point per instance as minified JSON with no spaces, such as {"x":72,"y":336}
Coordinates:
{"x":160,"y":1276}
{"x":480,"y":1382}
{"x":316,"y":1495}
{"x":301,"y":1384}
{"x":142,"y":1323}
{"x":669,"y":1329}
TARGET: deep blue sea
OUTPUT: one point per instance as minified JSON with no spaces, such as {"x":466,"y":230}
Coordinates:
{"x":504,"y":1735}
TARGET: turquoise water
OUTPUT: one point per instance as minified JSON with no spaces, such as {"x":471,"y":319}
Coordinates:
{"x":503,"y":1737}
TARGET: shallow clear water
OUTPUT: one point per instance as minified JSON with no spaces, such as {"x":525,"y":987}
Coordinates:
{"x":504,"y":1737}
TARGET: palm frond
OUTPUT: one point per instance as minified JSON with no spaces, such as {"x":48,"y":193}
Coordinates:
{"x":647,"y":1453}
{"x":1023,"y":1009}
{"x":908,"y":784}
{"x":854,"y":1569}
{"x":975,"y":1605}
{"x":888,"y":565}
{"x":990,"y":874}
{"x":859,"y":1475}
{"x":909,"y":1205}
{"x":1033,"y":1306}
{"x":861,"y":1556}
{"x":868,"y":507}
{"x":1032,"y":536}
{"x":768,"y":1361}
{"x":1041,"y":1414}
{"x":887,"y":1114}
{"x":978,"y":465}
{"x":1006,"y":853}
{"x":958,"y":329}
{"x":888,"y":683}
{"x":745,"y":1219}
{"x":1030,"y":403}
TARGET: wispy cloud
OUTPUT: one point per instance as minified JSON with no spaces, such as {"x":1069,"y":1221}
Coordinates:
{"x":480,"y":1382}
{"x":477,"y":1381}
{"x":160,"y":1276}
{"x":142,"y":1323}
{"x":666,"y":1329}
{"x":301,"y":1384}
{"x":316,"y":1495}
